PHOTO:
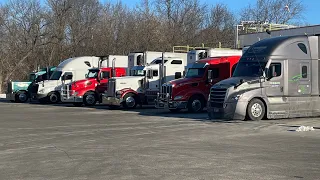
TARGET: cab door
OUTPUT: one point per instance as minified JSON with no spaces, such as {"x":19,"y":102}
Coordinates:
{"x":276,"y":89}
{"x":103,"y":78}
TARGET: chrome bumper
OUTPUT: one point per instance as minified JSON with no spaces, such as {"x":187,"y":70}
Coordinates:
{"x":166,"y":103}
{"x":10,"y":96}
{"x":113,"y":101}
{"x":229,"y":111}
{"x":71,"y":99}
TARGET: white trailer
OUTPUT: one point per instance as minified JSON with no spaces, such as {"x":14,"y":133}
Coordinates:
{"x":70,"y":70}
{"x":142,"y":58}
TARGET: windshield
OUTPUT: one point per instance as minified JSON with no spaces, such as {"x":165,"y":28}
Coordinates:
{"x":195,"y":72}
{"x":158,"y":61}
{"x":249,"y":69}
{"x":92,"y":74}
{"x":56,"y":75}
{"x":138,"y":72}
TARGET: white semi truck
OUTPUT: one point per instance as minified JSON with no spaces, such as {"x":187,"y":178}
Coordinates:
{"x":70,"y":70}
{"x":131,"y":91}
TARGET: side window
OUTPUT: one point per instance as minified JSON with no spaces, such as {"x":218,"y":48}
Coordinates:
{"x":303,"y":47}
{"x":277,"y":69}
{"x":304,"y":72}
{"x":176,"y":62}
{"x":105,"y":74}
{"x":215,"y":73}
{"x":155,"y":73}
{"x":177,"y":75}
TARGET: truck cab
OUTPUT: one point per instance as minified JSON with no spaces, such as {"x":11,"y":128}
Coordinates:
{"x":133,"y":90}
{"x":275,"y":78}
{"x":21,"y":91}
{"x":191,"y":92}
{"x":88,"y":91}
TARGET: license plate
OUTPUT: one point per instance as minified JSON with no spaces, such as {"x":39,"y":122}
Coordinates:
{"x":215,"y":110}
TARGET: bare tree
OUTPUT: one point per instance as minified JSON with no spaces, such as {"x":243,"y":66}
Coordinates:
{"x":275,"y":11}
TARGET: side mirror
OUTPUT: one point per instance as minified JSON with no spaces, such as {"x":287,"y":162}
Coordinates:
{"x":150,"y":74}
{"x":270,"y":72}
{"x":86,"y":76}
{"x":210,"y":77}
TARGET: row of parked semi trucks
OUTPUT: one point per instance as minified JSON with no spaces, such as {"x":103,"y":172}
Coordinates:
{"x":273,"y":78}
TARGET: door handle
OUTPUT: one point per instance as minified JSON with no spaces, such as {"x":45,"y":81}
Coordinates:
{"x":281,"y":88}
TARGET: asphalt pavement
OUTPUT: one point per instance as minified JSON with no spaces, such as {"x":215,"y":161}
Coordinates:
{"x":66,"y":142}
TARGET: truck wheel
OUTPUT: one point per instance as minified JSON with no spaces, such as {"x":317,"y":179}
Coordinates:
{"x":195,"y":104}
{"x":175,"y":110}
{"x":256,"y":110}
{"x":130,"y":101}
{"x":89,"y":99}
{"x":53,"y":97}
{"x":77,"y":104}
{"x":21,"y":97}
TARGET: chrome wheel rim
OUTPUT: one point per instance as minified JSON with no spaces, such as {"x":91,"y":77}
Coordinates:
{"x":22,"y":97}
{"x":196,"y":105}
{"x":130,"y":101}
{"x":256,"y":110}
{"x":90,"y":99}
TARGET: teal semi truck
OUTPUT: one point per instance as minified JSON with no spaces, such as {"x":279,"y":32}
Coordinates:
{"x":21,"y":91}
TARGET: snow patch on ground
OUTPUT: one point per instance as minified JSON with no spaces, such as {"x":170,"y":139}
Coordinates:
{"x":304,"y":128}
{"x":2,"y":96}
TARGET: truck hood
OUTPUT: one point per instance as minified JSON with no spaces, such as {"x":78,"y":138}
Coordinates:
{"x":49,"y":85}
{"x":234,"y":81}
{"x":184,"y":81}
{"x":131,"y":82}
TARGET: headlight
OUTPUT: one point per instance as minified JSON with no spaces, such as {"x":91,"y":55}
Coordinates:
{"x":178,"y":98}
{"x":236,"y":97}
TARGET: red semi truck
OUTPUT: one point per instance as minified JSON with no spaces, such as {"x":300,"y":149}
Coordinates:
{"x":192,"y":91}
{"x":88,"y":91}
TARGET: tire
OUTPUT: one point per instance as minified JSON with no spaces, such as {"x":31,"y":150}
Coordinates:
{"x":53,"y":97}
{"x":21,"y":97}
{"x":175,"y":110}
{"x":195,"y":104}
{"x":256,"y":110}
{"x":130,"y":101}
{"x":77,"y":104}
{"x":89,"y":99}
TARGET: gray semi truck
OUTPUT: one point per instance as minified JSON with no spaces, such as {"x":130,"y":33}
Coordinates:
{"x":275,"y":78}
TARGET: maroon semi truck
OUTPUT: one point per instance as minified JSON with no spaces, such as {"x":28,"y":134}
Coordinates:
{"x":192,"y":91}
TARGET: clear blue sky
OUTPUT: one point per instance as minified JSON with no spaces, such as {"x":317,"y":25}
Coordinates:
{"x":311,"y":15}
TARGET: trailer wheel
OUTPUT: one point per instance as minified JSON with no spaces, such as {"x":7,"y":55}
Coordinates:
{"x":195,"y":104}
{"x":53,"y":97}
{"x":130,"y":101}
{"x":77,"y":104}
{"x":256,"y":110}
{"x":89,"y":99}
{"x":21,"y":97}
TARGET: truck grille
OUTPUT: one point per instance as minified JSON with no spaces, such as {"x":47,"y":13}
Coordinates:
{"x":166,"y":89}
{"x":9,"y":88}
{"x":217,"y":96}
{"x":111,"y":91}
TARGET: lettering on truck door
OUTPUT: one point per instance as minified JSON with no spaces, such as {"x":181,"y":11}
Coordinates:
{"x":276,"y":89}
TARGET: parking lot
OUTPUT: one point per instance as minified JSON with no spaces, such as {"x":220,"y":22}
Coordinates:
{"x":66,"y":142}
